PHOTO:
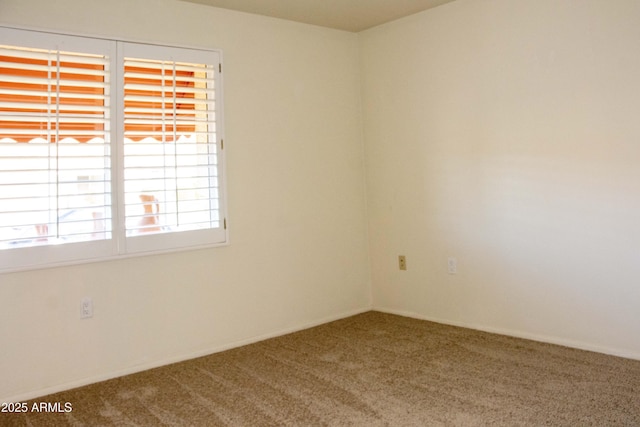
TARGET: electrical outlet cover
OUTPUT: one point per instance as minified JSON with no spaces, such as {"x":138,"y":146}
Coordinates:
{"x":402,"y":262}
{"x":86,"y":309}
{"x":452,"y":265}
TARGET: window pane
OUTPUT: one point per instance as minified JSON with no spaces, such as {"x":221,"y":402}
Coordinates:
{"x":54,"y":152}
{"x":170,"y":157}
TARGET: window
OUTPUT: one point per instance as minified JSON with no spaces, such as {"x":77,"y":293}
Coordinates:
{"x":107,"y":149}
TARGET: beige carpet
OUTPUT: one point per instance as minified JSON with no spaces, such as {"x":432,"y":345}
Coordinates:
{"x":373,"y":369}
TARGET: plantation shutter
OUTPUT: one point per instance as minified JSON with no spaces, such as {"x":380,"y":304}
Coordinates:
{"x":171,"y":151}
{"x":107,"y":149}
{"x":54,"y":152}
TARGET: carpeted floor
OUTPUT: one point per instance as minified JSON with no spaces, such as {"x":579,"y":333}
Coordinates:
{"x":372,"y":369}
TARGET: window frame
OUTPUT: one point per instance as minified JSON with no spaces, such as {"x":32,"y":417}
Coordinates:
{"x":119,"y":245}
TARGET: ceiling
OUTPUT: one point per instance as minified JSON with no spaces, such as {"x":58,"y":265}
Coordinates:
{"x":349,"y":15}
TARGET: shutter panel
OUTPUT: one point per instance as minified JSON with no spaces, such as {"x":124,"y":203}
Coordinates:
{"x":171,"y":176}
{"x":54,"y":151}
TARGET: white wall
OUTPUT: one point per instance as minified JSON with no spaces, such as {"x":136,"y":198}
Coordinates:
{"x":501,"y":132}
{"x":506,"y":133}
{"x":298,"y":253}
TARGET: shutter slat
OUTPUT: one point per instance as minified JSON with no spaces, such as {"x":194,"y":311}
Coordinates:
{"x":41,"y":54}
{"x":50,"y":68}
{"x":44,"y":80}
{"x":52,"y":107}
{"x":70,"y":118}
{"x":54,"y":95}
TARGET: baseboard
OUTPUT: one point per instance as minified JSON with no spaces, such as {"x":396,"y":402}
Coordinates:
{"x":176,"y":359}
{"x":627,"y":354}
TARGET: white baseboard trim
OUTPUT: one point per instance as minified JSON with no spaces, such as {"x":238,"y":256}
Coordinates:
{"x":175,"y":359}
{"x":627,"y":354}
